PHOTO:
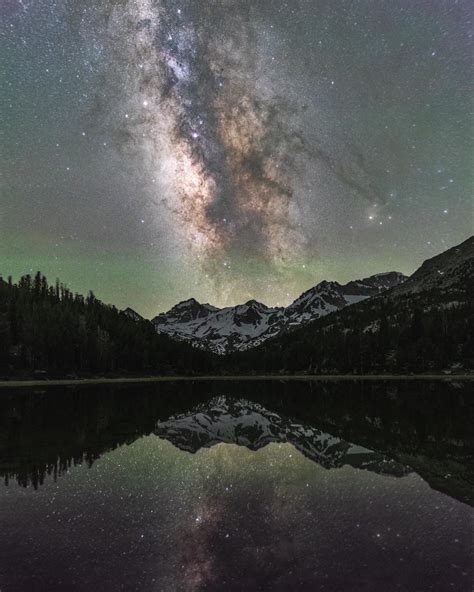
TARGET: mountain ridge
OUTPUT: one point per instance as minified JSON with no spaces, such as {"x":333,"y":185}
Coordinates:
{"x":240,"y":327}
{"x":423,"y":324}
{"x":442,"y":270}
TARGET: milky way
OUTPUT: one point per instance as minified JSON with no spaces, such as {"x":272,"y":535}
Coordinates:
{"x":216,"y":131}
{"x":162,"y":149}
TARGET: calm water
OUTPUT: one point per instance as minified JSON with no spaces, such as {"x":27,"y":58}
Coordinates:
{"x":238,"y":486}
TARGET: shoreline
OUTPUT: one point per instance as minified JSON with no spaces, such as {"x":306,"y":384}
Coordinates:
{"x":17,"y":383}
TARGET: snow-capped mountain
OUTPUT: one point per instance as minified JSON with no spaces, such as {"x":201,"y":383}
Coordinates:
{"x":328,"y":297}
{"x":219,"y":330}
{"x":223,"y":330}
{"x":245,"y":423}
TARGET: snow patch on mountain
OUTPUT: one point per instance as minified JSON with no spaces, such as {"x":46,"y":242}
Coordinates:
{"x":247,"y":325}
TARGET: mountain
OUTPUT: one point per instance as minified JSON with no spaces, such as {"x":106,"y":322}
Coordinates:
{"x":132,"y":314}
{"x":329,"y":297}
{"x":245,"y":423}
{"x":237,"y":328}
{"x":220,"y":330}
{"x":443,"y":272}
{"x":423,"y":324}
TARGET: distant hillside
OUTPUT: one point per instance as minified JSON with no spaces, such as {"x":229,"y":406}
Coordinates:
{"x":425,"y":324}
{"x":449,"y":270}
{"x":47,"y":331}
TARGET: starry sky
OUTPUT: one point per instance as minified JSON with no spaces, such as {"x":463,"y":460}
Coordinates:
{"x":154,"y":150}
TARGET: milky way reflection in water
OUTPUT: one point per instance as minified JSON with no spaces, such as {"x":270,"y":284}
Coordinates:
{"x":237,"y":486}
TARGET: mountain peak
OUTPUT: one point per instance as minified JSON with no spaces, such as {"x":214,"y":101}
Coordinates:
{"x":256,"y":305}
{"x":241,"y":327}
{"x":183,"y":312}
{"x":187,"y":303}
{"x":132,"y":314}
{"x":374,"y":284}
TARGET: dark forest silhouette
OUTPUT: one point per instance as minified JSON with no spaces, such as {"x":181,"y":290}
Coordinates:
{"x":421,"y":333}
{"x":424,"y":325}
{"x":48,"y":329}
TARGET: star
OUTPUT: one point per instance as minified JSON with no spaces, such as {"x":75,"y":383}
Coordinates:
{"x":240,"y":171}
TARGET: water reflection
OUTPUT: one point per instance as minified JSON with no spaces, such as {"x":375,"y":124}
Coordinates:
{"x":237,"y":487}
{"x":425,"y":426}
{"x":245,"y":423}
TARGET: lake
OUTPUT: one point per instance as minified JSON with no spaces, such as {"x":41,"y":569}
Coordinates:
{"x":223,"y":486}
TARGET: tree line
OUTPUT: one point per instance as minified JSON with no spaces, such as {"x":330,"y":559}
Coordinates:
{"x":49,"y":329}
{"x":428,"y":332}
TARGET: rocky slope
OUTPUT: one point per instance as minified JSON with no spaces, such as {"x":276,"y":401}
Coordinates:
{"x":247,"y":325}
{"x":133,"y":314}
{"x":449,"y":269}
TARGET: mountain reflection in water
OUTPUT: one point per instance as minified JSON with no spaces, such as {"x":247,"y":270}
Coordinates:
{"x":237,"y":486}
{"x":241,"y":422}
{"x":425,"y":426}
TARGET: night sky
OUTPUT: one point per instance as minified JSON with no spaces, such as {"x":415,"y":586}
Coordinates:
{"x":155,"y":150}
